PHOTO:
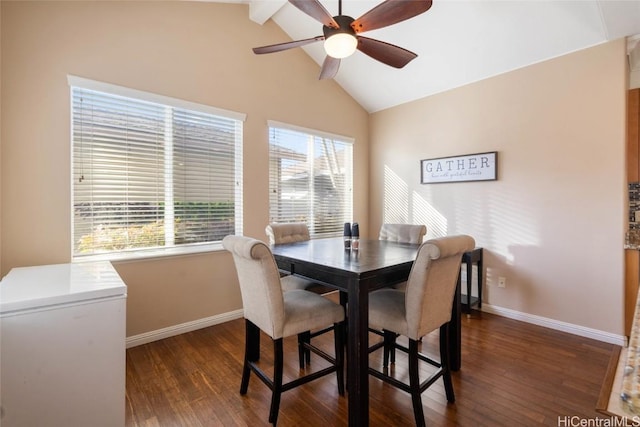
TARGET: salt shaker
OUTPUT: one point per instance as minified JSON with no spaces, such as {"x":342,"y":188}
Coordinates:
{"x":355,"y":236}
{"x":347,"y":236}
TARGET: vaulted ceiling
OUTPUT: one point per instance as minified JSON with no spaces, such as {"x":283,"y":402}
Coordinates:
{"x":458,"y":41}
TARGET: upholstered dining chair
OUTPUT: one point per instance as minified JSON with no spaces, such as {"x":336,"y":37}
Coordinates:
{"x":281,"y":233}
{"x":402,"y":233}
{"x":424,"y":307}
{"x":280,"y":314}
{"x":292,"y":232}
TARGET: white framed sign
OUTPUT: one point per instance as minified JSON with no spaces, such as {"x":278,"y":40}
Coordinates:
{"x":470,"y":167}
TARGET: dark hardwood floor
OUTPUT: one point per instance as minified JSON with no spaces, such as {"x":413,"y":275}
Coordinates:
{"x":513,"y":374}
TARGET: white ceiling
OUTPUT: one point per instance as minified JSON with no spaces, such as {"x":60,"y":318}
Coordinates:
{"x":458,"y":41}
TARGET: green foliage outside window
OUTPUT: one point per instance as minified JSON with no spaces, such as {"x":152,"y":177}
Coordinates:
{"x":194,"y":222}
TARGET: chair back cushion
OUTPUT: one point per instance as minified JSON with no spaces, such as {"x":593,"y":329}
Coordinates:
{"x":259,"y":279}
{"x":432,"y":283}
{"x":287,"y":233}
{"x":402,"y":233}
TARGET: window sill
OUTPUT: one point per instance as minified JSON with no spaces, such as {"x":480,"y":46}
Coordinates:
{"x":151,"y":253}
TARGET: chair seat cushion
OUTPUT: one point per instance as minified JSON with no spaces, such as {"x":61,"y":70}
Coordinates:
{"x":387,"y":310}
{"x":290,"y":283}
{"x":304,"y":311}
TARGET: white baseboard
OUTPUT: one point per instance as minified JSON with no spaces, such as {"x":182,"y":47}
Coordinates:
{"x":582,"y":331}
{"x":182,"y":328}
{"x":557,"y":325}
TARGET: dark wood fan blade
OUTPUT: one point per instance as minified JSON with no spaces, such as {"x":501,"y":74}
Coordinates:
{"x":386,"y":53}
{"x":284,"y":46}
{"x":330,"y":67}
{"x":316,"y":10}
{"x":390,"y":12}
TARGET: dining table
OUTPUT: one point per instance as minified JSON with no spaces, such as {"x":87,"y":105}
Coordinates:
{"x":355,"y":273}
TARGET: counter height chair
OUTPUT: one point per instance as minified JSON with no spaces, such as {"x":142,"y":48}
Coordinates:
{"x":292,"y":232}
{"x":425,"y":306}
{"x":400,"y":233}
{"x":281,"y":233}
{"x":280,"y":315}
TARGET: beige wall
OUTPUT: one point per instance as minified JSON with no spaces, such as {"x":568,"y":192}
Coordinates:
{"x":196,"y":51}
{"x":553,"y":222}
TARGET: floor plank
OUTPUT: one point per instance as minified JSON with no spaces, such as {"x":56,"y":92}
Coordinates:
{"x":513,"y":373}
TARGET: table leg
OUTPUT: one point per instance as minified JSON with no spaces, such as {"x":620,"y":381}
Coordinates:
{"x":469,"y":277}
{"x":358,"y":353}
{"x":480,"y":281}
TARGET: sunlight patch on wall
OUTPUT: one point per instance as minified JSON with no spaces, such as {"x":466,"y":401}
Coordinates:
{"x":396,"y":198}
{"x":513,"y":221}
{"x":424,"y":213}
{"x":497,"y":217}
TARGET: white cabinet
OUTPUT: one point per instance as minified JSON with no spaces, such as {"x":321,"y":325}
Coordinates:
{"x":62,"y":346}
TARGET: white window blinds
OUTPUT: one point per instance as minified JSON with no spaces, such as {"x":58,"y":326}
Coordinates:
{"x":310,"y":179}
{"x":152,"y":175}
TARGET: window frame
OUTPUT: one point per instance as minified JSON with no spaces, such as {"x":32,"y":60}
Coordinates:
{"x":175,"y":250}
{"x":314,"y":133}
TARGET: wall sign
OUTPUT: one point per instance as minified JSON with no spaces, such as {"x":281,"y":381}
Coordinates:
{"x":471,"y":167}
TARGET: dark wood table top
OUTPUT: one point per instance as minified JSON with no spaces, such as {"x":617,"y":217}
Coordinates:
{"x":329,"y":254}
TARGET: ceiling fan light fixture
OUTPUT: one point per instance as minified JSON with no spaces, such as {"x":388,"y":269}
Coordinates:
{"x":340,"y":45}
{"x":342,"y":34}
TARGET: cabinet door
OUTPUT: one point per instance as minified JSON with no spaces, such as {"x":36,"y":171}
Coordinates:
{"x":65,"y":365}
{"x":633,"y":118}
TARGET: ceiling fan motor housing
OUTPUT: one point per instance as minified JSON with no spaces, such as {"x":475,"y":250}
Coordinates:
{"x":344,"y":23}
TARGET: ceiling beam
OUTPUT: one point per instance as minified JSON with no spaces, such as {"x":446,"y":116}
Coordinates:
{"x":260,"y":10}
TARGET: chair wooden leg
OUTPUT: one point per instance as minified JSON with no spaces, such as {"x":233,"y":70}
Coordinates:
{"x":392,"y":353}
{"x":303,"y":353}
{"x":307,"y":352}
{"x":444,"y":361}
{"x":277,"y":380}
{"x":251,"y":353}
{"x":388,"y":348}
{"x":414,"y":383}
{"x":252,"y":341}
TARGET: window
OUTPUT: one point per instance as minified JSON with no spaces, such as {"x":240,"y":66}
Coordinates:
{"x":151,"y":172}
{"x":310,"y":179}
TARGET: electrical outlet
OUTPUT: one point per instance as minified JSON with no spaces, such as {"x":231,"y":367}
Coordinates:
{"x":502,"y":282}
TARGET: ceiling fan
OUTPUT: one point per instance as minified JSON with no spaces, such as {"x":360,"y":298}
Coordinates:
{"x":341,"y":33}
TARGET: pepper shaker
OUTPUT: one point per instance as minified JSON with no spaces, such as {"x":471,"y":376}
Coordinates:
{"x":347,"y":236}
